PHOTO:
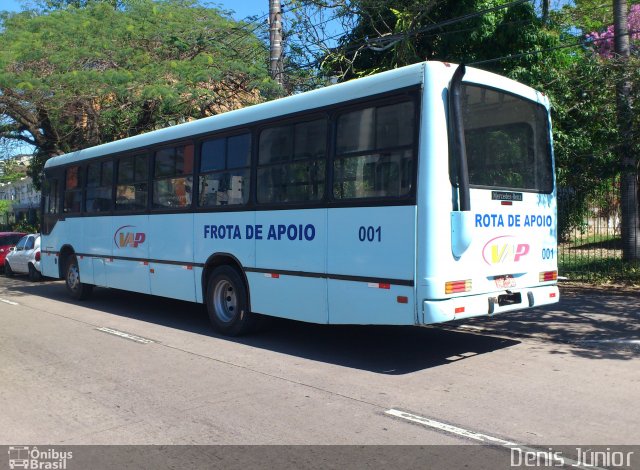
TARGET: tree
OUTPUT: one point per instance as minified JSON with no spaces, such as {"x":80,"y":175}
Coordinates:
{"x":629,"y":198}
{"x":392,"y":34}
{"x":90,"y":73}
{"x":11,"y":170}
{"x":604,"y":41}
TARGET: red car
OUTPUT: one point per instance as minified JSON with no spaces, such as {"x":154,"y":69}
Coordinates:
{"x":7,"y":240}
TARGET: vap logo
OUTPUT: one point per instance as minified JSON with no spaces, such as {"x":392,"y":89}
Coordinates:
{"x":504,"y":249}
{"x":32,"y":458}
{"x":124,"y":238}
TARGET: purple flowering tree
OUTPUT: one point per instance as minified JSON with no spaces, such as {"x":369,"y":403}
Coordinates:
{"x":603,"y":42}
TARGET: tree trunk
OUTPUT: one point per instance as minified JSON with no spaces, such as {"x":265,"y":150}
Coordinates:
{"x":629,"y":199}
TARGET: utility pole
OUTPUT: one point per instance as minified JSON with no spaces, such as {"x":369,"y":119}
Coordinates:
{"x":275,"y":41}
{"x":629,"y":198}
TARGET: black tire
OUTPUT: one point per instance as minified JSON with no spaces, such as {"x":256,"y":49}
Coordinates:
{"x":77,"y":289}
{"x":228,"y":302}
{"x":34,"y":274}
{"x":7,"y":269}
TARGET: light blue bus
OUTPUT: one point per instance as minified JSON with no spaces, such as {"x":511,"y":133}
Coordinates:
{"x":416,"y":196}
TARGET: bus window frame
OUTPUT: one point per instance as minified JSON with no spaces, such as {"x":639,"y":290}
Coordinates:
{"x":237,"y":131}
{"x":410,"y":198}
{"x":114,"y":166}
{"x":298,"y":118}
{"x":145,"y":151}
{"x":152,"y":152}
{"x":330,"y":112}
{"x":548,"y":145}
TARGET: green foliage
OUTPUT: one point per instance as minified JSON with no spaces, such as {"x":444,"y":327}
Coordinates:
{"x":90,"y":73}
{"x":25,"y":227}
{"x":392,"y":34}
{"x":5,"y":207}
{"x":11,"y":171}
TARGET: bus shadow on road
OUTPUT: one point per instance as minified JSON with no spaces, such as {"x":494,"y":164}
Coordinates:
{"x":392,"y":350}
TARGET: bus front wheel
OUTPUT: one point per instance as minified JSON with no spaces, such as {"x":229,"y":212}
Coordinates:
{"x":227,"y":302}
{"x":77,"y":289}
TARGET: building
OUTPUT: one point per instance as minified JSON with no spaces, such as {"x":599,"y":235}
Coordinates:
{"x":24,"y":199}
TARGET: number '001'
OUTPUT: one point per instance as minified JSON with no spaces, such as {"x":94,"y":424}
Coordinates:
{"x":370,"y":234}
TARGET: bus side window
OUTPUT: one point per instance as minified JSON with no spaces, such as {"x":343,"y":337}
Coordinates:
{"x":224,"y":171}
{"x":173,"y":177}
{"x":131,"y":183}
{"x":291,"y":162}
{"x":98,"y":192}
{"x":50,"y":193}
{"x":73,"y":190}
{"x":375,"y":152}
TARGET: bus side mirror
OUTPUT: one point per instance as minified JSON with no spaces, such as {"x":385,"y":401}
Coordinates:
{"x":461,"y":232}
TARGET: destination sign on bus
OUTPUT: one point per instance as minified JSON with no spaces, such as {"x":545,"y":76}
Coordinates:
{"x":261,"y":232}
{"x":513,"y":220}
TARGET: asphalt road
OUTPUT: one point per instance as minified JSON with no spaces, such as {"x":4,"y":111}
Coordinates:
{"x":566,"y":374}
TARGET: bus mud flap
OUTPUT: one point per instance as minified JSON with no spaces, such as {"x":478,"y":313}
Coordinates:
{"x":530,"y":298}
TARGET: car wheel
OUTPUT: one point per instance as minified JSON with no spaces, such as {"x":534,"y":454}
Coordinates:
{"x":76,"y":288}
{"x":7,"y":269}
{"x":228,"y":303}
{"x":34,"y":274}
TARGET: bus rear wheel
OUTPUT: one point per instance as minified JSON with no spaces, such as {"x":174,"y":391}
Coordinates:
{"x":227,"y":302}
{"x":77,"y":289}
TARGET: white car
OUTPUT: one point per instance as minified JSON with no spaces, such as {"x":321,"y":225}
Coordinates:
{"x":24,"y":258}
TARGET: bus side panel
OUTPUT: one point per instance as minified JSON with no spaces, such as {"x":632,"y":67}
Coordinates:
{"x":128,"y":269}
{"x":51,"y":243}
{"x":170,"y":239}
{"x":292,"y":245}
{"x":75,"y":236}
{"x":97,"y":245}
{"x":375,"y":246}
{"x":223,"y":232}
{"x":293,"y":297}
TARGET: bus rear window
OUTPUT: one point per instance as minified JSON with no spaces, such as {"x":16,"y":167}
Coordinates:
{"x":507,"y":141}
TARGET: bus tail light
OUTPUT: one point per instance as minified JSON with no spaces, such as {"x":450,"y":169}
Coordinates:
{"x":548,"y":276}
{"x":37,"y":256}
{"x":453,"y":287}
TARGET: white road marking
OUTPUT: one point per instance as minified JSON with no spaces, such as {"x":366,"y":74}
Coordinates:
{"x":615,"y":340}
{"x":449,"y":428}
{"x":471,"y":327}
{"x":8,"y":302}
{"x":479,"y":436}
{"x":122,"y":334}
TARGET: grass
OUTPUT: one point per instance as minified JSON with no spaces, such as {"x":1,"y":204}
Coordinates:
{"x":598,"y":270}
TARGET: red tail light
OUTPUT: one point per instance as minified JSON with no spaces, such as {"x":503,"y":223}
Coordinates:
{"x":548,"y":276}
{"x":37,"y":256}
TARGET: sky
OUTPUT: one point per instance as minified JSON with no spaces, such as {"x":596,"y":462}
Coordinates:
{"x":242,"y":8}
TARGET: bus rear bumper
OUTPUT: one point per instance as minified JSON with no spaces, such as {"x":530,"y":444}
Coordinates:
{"x":457,"y":308}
